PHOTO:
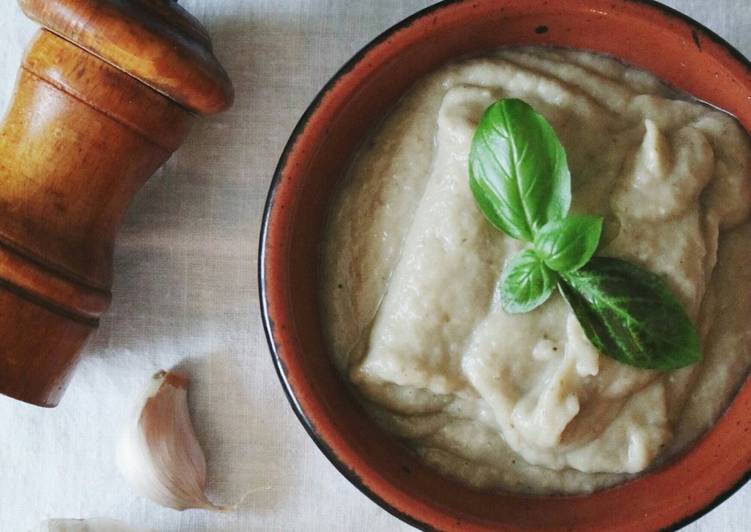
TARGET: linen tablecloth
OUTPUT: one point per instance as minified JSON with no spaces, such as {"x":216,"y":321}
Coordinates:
{"x":185,"y":293}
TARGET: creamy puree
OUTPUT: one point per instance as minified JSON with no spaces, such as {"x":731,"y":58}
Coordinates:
{"x":411,"y":269}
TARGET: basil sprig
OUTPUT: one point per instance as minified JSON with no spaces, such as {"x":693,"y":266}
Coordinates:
{"x":521,"y":182}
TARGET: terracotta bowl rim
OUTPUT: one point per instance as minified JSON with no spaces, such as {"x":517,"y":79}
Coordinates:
{"x":299,"y":131}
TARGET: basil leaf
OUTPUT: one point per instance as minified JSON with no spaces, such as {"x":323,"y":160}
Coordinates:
{"x":518,"y":170}
{"x":568,"y":244}
{"x":526,"y":283}
{"x":630,"y":315}
{"x":521,"y":182}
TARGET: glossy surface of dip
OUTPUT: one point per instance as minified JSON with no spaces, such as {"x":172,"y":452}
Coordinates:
{"x":411,"y":269}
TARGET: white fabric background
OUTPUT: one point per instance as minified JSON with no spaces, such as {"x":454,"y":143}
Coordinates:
{"x":185,"y":292}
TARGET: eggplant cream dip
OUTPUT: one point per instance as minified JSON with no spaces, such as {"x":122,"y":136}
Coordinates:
{"x":525,"y":402}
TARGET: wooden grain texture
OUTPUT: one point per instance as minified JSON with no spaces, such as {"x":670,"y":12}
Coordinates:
{"x":156,"y":41}
{"x":82,"y":135}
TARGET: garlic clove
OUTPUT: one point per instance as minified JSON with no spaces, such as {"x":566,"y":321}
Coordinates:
{"x":85,"y":525}
{"x":159,"y":454}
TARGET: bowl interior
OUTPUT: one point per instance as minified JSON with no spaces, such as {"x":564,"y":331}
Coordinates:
{"x":640,"y":33}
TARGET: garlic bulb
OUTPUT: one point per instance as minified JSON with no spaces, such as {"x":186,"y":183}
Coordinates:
{"x":85,"y":525}
{"x":159,"y":453}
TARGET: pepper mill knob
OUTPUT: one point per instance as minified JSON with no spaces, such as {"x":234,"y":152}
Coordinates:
{"x":107,"y":91}
{"x":155,"y":41}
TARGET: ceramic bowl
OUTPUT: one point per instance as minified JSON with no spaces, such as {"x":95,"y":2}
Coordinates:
{"x":642,"y":33}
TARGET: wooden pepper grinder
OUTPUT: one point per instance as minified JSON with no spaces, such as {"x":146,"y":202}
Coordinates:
{"x":108,"y":90}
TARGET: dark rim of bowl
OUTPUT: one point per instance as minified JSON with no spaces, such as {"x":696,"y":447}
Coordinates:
{"x":281,"y":371}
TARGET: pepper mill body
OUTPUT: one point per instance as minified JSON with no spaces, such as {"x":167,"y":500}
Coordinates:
{"x":80,"y":138}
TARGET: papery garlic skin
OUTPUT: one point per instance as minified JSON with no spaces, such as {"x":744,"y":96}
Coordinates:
{"x":85,"y":525}
{"x":159,"y":454}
